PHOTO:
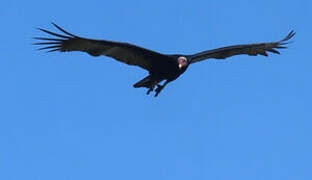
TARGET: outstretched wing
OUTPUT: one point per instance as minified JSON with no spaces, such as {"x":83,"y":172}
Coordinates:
{"x":123,"y":52}
{"x":249,"y":49}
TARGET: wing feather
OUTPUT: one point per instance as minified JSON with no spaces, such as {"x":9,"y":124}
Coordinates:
{"x":249,"y":49}
{"x":123,"y":52}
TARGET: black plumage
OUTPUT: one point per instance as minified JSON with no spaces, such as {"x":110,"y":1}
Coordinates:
{"x":161,"y":67}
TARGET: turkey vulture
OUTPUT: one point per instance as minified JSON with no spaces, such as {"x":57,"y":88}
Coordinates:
{"x":160,"y":66}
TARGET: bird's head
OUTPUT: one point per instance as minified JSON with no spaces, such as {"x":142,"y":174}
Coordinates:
{"x":183,"y":63}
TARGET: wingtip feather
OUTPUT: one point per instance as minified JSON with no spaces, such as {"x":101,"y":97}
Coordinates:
{"x":61,"y":29}
{"x":54,"y":34}
{"x":289,"y":36}
{"x":49,"y":47}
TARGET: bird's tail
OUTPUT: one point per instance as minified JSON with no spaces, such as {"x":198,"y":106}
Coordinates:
{"x":146,"y":82}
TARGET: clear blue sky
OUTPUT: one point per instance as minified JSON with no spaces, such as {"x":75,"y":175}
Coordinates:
{"x":70,"y":116}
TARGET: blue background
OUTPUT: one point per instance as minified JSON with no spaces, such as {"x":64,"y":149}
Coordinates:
{"x":70,"y":116}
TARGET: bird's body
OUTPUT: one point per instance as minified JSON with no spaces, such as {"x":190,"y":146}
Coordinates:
{"x":160,"y":66}
{"x":159,"y":73}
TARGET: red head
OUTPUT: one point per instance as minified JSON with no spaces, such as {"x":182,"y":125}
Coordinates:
{"x":182,"y":62}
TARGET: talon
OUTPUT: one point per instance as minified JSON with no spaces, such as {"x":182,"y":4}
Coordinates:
{"x":157,"y":92}
{"x":149,"y":90}
{"x":159,"y":88}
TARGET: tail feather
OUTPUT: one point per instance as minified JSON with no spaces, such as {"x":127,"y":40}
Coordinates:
{"x":146,"y":82}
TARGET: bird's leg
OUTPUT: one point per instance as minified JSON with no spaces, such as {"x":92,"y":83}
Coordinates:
{"x":160,"y":87}
{"x":151,"y":88}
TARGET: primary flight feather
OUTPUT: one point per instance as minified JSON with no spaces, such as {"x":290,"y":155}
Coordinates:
{"x":161,"y":67}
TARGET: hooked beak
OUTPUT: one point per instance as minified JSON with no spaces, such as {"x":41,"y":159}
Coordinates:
{"x":183,"y":64}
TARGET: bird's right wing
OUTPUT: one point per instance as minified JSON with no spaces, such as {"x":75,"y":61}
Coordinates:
{"x":123,"y":52}
{"x":249,"y":49}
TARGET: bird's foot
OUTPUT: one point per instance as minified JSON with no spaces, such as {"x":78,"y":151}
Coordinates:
{"x":158,"y":89}
{"x":149,"y":90}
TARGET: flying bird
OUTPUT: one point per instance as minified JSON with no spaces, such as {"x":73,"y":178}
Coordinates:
{"x":161,"y":67}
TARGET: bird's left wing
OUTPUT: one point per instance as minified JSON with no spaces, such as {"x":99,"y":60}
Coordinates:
{"x":123,"y":52}
{"x":249,"y":49}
